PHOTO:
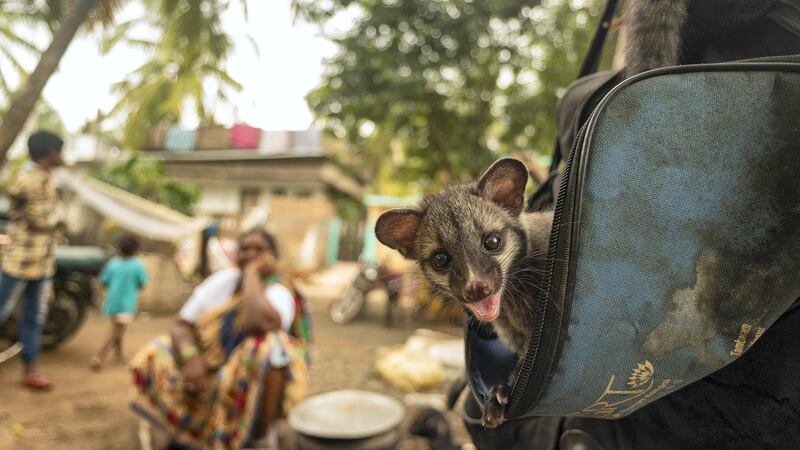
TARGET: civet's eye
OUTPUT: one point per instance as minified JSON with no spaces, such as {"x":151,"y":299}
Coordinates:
{"x":492,"y":242}
{"x":440,"y":260}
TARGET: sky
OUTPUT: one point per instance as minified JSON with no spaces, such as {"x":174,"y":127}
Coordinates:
{"x":288,"y":64}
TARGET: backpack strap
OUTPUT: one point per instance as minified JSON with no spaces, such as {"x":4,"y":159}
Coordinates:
{"x":592,"y":58}
{"x":590,"y":62}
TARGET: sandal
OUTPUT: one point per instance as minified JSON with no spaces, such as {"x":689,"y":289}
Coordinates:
{"x":37,"y":381}
{"x":95,"y":363}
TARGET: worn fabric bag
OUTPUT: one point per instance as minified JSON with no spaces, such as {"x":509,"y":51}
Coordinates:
{"x":676,"y":241}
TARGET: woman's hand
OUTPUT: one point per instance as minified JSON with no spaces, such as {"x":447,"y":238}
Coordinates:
{"x":194,"y":374}
{"x":263,"y":265}
{"x":259,"y":315}
{"x":193,"y":368}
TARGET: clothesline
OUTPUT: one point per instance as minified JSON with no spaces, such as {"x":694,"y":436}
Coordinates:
{"x":135,"y":214}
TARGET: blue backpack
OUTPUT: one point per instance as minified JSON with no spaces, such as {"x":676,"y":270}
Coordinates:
{"x":675,"y":244}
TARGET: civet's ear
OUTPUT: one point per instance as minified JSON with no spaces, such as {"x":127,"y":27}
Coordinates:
{"x":397,"y":229}
{"x":504,"y":184}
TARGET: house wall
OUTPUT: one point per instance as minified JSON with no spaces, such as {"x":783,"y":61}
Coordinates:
{"x":218,"y":199}
{"x":299,"y":216}
{"x":301,"y":226}
{"x":289,"y":193}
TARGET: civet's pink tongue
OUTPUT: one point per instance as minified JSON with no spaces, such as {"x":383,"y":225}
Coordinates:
{"x":487,"y":309}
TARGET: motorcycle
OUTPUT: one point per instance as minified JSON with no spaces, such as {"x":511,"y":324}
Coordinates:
{"x":372,"y":276}
{"x":70,"y":297}
{"x":73,"y":293}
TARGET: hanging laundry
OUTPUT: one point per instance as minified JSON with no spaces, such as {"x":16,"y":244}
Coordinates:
{"x":179,"y":140}
{"x":245,"y":136}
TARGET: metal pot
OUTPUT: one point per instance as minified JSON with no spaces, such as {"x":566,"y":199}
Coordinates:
{"x":349,"y":419}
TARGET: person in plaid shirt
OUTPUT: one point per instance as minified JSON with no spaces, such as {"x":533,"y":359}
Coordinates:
{"x":28,"y":261}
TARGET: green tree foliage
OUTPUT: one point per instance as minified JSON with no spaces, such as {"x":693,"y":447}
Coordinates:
{"x":46,"y":118}
{"x":431,"y":91}
{"x":13,"y":13}
{"x":18,"y":20}
{"x":190,"y":51}
{"x":146,"y":178}
{"x":75,"y":14}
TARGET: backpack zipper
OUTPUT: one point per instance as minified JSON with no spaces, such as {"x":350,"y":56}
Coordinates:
{"x":521,"y":381}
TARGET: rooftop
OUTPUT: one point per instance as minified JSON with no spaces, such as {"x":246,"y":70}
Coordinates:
{"x":293,"y":155}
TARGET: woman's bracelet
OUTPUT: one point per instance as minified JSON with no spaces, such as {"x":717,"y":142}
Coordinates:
{"x":190,"y":351}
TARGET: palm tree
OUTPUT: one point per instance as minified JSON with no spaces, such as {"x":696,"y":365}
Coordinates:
{"x":12,"y":43}
{"x":74,"y":16}
{"x":189,"y":56}
{"x":192,"y":49}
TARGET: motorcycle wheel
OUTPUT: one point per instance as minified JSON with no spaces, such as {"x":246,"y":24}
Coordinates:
{"x":347,"y":307}
{"x":65,"y":316}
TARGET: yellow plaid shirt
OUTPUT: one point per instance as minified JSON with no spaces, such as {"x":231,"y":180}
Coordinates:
{"x":33,"y":200}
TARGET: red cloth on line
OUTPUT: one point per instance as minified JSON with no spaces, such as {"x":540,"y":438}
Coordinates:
{"x":245,"y":136}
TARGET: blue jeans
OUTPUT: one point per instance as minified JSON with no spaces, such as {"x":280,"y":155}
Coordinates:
{"x":34,"y":310}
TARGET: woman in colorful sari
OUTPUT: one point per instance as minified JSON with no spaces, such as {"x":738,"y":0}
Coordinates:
{"x":235,"y":359}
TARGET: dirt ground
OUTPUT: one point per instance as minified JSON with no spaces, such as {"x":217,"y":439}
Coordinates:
{"x":88,"y":410}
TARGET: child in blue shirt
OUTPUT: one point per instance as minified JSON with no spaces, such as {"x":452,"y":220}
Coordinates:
{"x":123,"y":276}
